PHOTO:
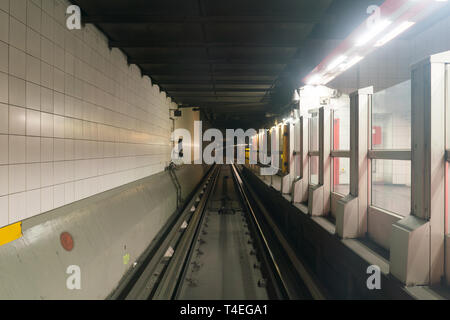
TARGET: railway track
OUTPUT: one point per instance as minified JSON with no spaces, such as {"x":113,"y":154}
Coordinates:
{"x":222,"y":246}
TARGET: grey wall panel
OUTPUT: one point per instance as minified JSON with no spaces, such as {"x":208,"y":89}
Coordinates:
{"x":105,"y":228}
{"x":189,"y":176}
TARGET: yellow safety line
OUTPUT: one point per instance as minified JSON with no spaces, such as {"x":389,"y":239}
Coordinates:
{"x":10,"y":233}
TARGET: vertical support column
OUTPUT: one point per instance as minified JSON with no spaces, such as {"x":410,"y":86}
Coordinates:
{"x":293,"y":149}
{"x":417,"y":241}
{"x":296,"y":159}
{"x":325,"y":154}
{"x":300,"y":188}
{"x":351,"y":211}
{"x":287,"y":159}
{"x":276,"y":134}
{"x":320,"y":195}
{"x":290,"y":148}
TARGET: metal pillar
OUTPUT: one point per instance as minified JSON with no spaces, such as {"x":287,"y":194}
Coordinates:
{"x":351,"y":211}
{"x":300,"y":188}
{"x":320,"y":195}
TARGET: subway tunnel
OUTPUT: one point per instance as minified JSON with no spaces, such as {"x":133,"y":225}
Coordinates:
{"x":193,"y":150}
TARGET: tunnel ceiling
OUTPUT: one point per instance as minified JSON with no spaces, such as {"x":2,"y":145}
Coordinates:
{"x":238,"y":60}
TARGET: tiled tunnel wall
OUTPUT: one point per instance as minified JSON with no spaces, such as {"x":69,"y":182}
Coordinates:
{"x":75,"y":119}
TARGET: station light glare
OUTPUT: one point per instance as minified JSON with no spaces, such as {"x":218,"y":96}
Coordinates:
{"x":351,"y":63}
{"x":336,"y":62}
{"x":373,"y":32}
{"x":315,"y":79}
{"x":329,"y":79}
{"x":394,"y":33}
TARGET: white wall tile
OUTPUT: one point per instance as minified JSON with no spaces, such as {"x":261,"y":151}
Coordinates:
{"x":4,"y":5}
{"x":4,"y":118}
{"x":47,"y":199}
{"x":46,"y":75}
{"x":58,"y":80}
{"x":59,"y":172}
{"x":4,"y":211}
{"x":18,"y":9}
{"x":33,"y":178}
{"x":33,"y":43}
{"x":47,"y":123}
{"x":17,"y":178}
{"x":17,"y":207}
{"x":4,"y":180}
{"x":47,"y":7}
{"x":46,"y":100}
{"x":33,"y":203}
{"x":47,"y":51}
{"x":46,"y":149}
{"x":58,"y":150}
{"x":17,"y":149}
{"x":69,"y":192}
{"x":46,"y":24}
{"x":34,"y":16}
{"x":33,"y":69}
{"x":33,"y":96}
{"x":17,"y":120}
{"x":17,"y":34}
{"x":33,"y":152}
{"x":4,"y":55}
{"x":33,"y":123}
{"x":4,"y":27}
{"x":17,"y":95}
{"x":69,"y":148}
{"x":58,"y":103}
{"x":4,"y":87}
{"x":59,"y":126}
{"x":47,"y":174}
{"x":59,"y":196}
{"x":4,"y":147}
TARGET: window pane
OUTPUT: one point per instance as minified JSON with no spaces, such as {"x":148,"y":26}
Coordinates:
{"x":341,"y":124}
{"x":341,"y":175}
{"x":314,"y":133}
{"x":314,"y":170}
{"x":391,"y":117}
{"x":447,"y":184}
{"x":448,"y":106}
{"x":391,"y":185}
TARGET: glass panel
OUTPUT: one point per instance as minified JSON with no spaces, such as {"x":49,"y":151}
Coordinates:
{"x":314,"y":170}
{"x":314,"y":133}
{"x":341,"y":175}
{"x":391,"y":185}
{"x":448,"y":107}
{"x":341,"y":123}
{"x":391,"y":117}
{"x":446,"y":194}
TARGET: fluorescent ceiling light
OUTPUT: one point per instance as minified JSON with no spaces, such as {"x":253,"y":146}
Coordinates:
{"x":314,"y":79}
{"x":336,"y":62}
{"x":394,"y":33}
{"x":329,"y":79}
{"x":373,"y":32}
{"x":351,"y":63}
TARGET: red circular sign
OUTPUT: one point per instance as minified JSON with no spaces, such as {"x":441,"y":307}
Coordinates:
{"x":66,"y":241}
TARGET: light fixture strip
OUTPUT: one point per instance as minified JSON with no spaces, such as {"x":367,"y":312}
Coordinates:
{"x":395,"y":33}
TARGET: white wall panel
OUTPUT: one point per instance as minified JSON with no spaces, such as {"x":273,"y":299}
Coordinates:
{"x":75,"y":119}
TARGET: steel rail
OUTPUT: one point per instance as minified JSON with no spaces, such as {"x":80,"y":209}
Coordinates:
{"x":141,"y":281}
{"x":316,"y":290}
{"x":172,"y":276}
{"x":278,"y":282}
